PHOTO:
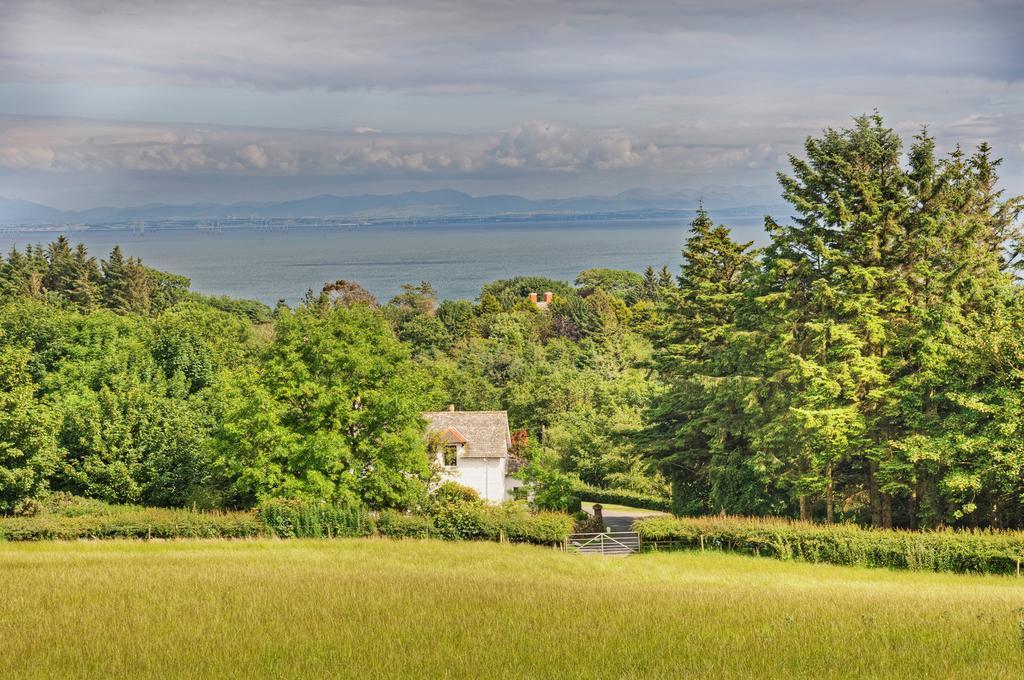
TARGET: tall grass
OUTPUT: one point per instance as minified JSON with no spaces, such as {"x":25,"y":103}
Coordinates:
{"x":373,"y":608}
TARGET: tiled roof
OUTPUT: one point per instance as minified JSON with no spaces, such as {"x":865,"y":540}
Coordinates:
{"x":485,"y":433}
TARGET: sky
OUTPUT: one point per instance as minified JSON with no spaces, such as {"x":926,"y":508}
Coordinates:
{"x":117,"y":102}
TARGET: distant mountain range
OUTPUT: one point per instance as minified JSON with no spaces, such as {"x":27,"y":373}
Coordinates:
{"x":442,"y":203}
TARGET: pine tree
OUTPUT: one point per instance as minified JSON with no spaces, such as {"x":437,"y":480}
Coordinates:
{"x":650,"y":289}
{"x":665,"y":279}
{"x":85,"y":289}
{"x":138,"y":287}
{"x":114,"y":283}
{"x":693,"y":357}
{"x":62,"y":270}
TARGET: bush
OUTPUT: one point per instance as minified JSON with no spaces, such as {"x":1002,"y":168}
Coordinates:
{"x":395,"y":524}
{"x":516,"y":524}
{"x":303,"y":519}
{"x":552,"y":489}
{"x":989,"y":552}
{"x":129,"y":521}
{"x":511,"y":522}
{"x":452,"y":493}
{"x":66,"y":517}
{"x":623,"y":497}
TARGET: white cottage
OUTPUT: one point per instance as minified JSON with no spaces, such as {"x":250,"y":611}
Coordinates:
{"x":472,"y":449}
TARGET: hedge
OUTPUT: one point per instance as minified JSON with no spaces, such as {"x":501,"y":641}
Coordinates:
{"x":299,"y":519}
{"x":987,"y":552}
{"x":511,"y":523}
{"x":623,"y":497}
{"x":133,"y":522}
{"x":395,"y":524}
{"x":75,"y":518}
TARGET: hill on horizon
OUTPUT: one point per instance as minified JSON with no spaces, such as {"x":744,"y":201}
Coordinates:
{"x":439,"y":203}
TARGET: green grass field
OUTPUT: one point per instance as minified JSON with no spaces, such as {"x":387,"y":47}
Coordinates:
{"x":372,"y":608}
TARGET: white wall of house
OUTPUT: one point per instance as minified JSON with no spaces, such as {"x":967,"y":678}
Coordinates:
{"x":486,"y":475}
{"x":512,"y":483}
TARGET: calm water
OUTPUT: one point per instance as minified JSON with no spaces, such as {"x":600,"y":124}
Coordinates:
{"x":272,"y":264}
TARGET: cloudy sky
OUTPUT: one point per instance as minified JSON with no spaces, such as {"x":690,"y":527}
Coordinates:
{"x":128,"y":102}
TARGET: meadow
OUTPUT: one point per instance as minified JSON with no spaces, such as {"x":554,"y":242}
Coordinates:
{"x":372,"y":608}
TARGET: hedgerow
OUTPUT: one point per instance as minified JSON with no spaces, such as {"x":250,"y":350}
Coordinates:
{"x":395,"y":524}
{"x":133,"y":522}
{"x":300,"y":519}
{"x":989,"y":552}
{"x":70,"y":518}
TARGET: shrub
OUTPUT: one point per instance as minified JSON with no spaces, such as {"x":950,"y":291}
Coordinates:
{"x":66,"y":517}
{"x":462,"y":521}
{"x":511,"y":522}
{"x":304,"y":519}
{"x":989,"y":552}
{"x":395,"y":524}
{"x":552,"y":489}
{"x":518,"y":525}
{"x":129,"y":521}
{"x":623,"y":497}
{"x":452,"y":493}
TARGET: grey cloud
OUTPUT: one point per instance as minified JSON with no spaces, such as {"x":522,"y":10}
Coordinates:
{"x":576,"y":48}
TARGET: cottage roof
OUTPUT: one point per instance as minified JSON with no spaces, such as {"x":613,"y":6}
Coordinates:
{"x":485,"y":433}
{"x":452,"y":435}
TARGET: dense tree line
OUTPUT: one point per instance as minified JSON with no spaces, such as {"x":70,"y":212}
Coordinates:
{"x":121,"y":384}
{"x":868,"y":363}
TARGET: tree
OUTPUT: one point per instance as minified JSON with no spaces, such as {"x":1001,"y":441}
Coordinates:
{"x":348,"y":293}
{"x":333,"y":412}
{"x":28,"y":452}
{"x":114,"y":283}
{"x":695,"y":356}
{"x":650,"y":290}
{"x":623,"y":284}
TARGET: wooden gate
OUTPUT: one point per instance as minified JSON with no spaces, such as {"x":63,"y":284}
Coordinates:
{"x":604,"y":543}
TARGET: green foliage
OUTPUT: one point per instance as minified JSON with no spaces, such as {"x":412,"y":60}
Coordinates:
{"x":626,"y":285}
{"x":301,"y":519}
{"x":457,"y":513}
{"x":28,"y":451}
{"x":70,"y":518}
{"x":332,"y":412}
{"x":396,"y":524}
{"x":253,"y":310}
{"x":510,"y":292}
{"x":859,"y":369}
{"x":986,"y":552}
{"x":623,"y":497}
{"x":551,"y":489}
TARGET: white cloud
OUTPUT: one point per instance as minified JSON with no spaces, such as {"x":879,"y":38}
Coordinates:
{"x":535,"y":147}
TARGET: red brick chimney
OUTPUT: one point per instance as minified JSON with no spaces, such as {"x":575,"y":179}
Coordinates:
{"x":533,"y":298}
{"x":548,"y":296}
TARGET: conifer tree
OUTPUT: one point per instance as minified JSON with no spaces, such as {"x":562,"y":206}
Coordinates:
{"x":692,"y":357}
{"x":114,"y":284}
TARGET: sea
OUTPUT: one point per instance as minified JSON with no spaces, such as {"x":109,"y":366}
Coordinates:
{"x":283,"y":262}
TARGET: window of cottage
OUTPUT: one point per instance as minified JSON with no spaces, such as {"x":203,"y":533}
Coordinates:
{"x":450,"y":455}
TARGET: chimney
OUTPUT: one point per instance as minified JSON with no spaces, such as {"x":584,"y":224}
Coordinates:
{"x":533,"y":298}
{"x":451,"y":408}
{"x":548,"y":296}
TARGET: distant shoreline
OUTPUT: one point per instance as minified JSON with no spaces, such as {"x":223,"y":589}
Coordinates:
{"x":216,"y":223}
